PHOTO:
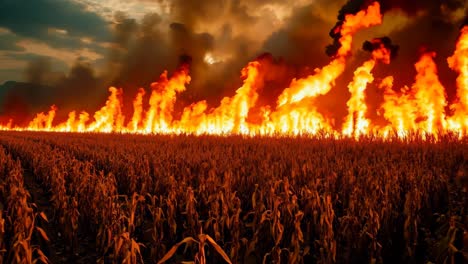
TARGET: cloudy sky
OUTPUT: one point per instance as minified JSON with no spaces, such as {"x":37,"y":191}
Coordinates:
{"x":61,"y":30}
{"x":77,"y":48}
{"x":64,"y":31}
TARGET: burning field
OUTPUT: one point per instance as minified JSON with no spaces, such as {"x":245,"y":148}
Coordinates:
{"x":421,"y":107}
{"x":350,"y":162}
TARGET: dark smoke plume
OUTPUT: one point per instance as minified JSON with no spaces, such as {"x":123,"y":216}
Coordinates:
{"x":376,"y":43}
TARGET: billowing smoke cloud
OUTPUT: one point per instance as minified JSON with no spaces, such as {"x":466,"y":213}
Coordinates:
{"x":79,"y":89}
{"x":37,"y":70}
{"x":144,"y":50}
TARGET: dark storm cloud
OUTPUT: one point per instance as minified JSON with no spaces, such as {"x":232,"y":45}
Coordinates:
{"x":35,"y":19}
{"x":81,"y":88}
{"x":185,"y":33}
{"x":59,"y":24}
{"x":141,"y":51}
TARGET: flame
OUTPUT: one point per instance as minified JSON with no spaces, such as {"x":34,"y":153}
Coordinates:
{"x":322,"y":82}
{"x":159,"y":116}
{"x":231,"y":115}
{"x":459,"y":63}
{"x":43,"y":121}
{"x":134,"y":125}
{"x":295,"y":112}
{"x":419,"y":107}
{"x":356,"y":123}
{"x":109,"y":118}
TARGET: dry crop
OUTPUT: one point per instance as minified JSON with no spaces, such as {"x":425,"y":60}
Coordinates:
{"x":211,"y":199}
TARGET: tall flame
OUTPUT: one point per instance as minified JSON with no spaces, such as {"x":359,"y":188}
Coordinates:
{"x":134,"y":125}
{"x":295,"y":110}
{"x":43,"y":121}
{"x":459,"y":63}
{"x":322,"y":82}
{"x":109,"y":118}
{"x":162,"y":100}
{"x":231,"y":115}
{"x":420,"y":107}
{"x":356,"y":123}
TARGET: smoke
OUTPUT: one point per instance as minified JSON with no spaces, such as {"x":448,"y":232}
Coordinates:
{"x":437,"y":10}
{"x":386,"y":42}
{"x":301,"y":41}
{"x":79,"y":89}
{"x":143,"y":50}
{"x":37,"y":70}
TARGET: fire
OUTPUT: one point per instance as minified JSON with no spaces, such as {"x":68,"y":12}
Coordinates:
{"x":231,"y":115}
{"x":296,"y":113}
{"x":162,"y":100}
{"x":43,"y":121}
{"x":323,"y":80}
{"x":109,"y":118}
{"x":417,"y":108}
{"x":134,"y":125}
{"x":459,"y":62}
{"x":356,"y":123}
{"x":421,"y":107}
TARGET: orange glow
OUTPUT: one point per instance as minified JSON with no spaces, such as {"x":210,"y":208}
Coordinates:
{"x":322,"y":82}
{"x":417,"y":108}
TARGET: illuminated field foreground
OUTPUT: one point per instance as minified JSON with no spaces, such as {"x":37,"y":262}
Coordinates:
{"x":420,"y":107}
{"x":156,"y":198}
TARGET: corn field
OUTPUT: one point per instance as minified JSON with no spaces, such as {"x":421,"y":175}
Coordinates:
{"x":116,"y":198}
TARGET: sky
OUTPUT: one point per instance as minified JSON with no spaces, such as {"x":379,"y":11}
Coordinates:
{"x":60,"y":30}
{"x":64,"y":31}
{"x":70,"y":51}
